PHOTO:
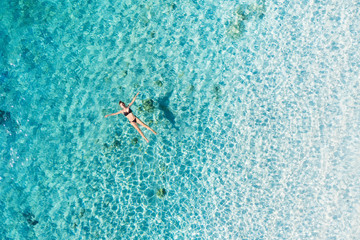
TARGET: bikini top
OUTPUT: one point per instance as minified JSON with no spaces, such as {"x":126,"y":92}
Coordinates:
{"x":127,"y":113}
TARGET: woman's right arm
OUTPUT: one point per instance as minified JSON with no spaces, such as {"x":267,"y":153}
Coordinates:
{"x":114,"y":114}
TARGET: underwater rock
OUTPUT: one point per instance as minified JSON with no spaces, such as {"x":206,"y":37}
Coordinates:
{"x":30,"y":218}
{"x":116,"y":143}
{"x":82,"y":212}
{"x":148,"y":105}
{"x":173,"y":6}
{"x":159,"y":83}
{"x":257,"y":10}
{"x":245,"y":12}
{"x":134,"y":141}
{"x":10,"y":124}
{"x":152,"y":34}
{"x":74,"y":225}
{"x":123,"y":74}
{"x":191,"y":89}
{"x":161,"y":193}
{"x":217,"y":91}
{"x":236,"y":29}
{"x":106,"y":146}
{"x":4,"y":116}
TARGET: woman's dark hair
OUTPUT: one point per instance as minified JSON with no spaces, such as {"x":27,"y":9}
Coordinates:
{"x":121,"y":102}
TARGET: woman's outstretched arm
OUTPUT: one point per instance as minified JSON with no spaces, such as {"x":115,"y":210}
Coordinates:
{"x":133,"y":100}
{"x":114,"y":113}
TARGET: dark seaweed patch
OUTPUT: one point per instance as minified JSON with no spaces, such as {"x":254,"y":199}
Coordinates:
{"x":4,"y":117}
{"x":30,"y":218}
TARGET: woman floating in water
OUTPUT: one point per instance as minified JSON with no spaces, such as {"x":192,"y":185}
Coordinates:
{"x":132,"y":118}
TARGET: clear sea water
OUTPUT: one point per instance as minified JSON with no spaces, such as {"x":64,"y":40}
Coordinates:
{"x":256,"y":105}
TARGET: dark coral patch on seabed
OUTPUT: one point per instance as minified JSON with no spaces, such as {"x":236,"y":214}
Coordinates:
{"x":30,"y":218}
{"x":161,"y":192}
{"x":244,"y":13}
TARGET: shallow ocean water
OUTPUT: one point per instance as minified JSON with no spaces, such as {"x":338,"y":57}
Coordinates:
{"x":256,"y":105}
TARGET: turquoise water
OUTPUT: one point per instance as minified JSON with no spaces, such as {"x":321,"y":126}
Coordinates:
{"x":256,"y":105}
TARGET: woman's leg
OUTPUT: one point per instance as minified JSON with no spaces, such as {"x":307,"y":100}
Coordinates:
{"x":144,"y":125}
{"x":138,"y":129}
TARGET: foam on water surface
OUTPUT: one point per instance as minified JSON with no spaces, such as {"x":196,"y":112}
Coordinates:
{"x":255,"y":103}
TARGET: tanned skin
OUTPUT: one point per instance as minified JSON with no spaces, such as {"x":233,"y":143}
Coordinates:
{"x":134,"y":121}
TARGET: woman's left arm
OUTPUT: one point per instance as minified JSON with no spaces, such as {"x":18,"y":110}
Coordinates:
{"x":133,"y":100}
